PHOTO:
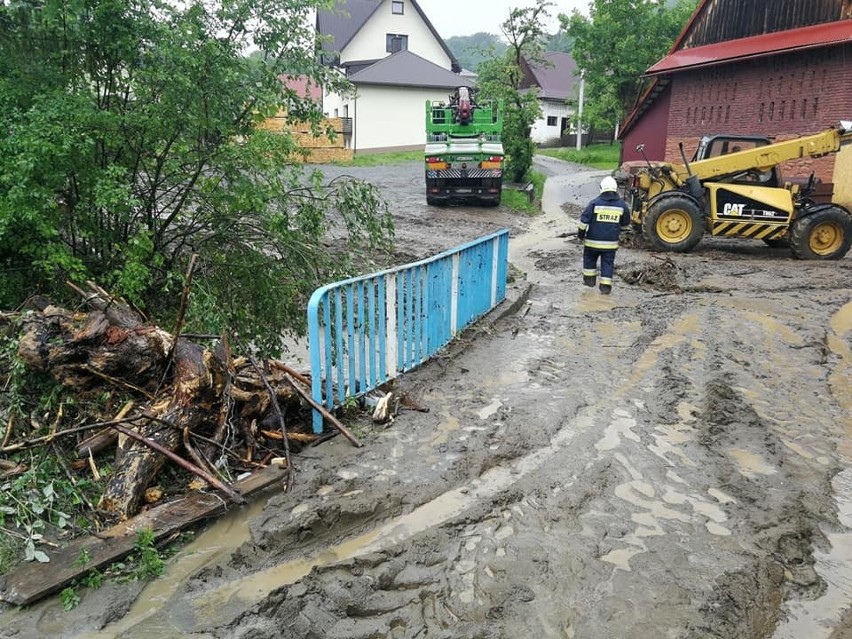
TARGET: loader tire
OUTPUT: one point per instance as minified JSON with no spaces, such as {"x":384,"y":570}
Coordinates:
{"x":824,"y":235}
{"x":673,"y":223}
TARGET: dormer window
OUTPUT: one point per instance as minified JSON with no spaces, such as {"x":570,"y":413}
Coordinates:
{"x":397,"y":8}
{"x":396,"y":42}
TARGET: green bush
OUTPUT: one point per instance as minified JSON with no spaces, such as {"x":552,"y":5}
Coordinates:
{"x":131,"y":143}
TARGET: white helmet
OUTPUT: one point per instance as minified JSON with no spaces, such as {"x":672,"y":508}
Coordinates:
{"x":609,"y":184}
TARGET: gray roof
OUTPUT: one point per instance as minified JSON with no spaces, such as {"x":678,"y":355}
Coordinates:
{"x":555,"y":80}
{"x":409,"y":69}
{"x":349,"y":16}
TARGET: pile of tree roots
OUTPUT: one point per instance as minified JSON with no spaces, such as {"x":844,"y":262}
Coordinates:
{"x":214,"y":414}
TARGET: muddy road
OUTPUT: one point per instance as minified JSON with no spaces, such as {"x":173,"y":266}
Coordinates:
{"x":670,"y":461}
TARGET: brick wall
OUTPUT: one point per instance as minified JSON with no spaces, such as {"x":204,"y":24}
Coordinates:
{"x":318,"y":150}
{"x":781,"y":96}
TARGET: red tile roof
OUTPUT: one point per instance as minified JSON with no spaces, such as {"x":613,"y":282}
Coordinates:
{"x":819,"y":35}
{"x":303,"y":86}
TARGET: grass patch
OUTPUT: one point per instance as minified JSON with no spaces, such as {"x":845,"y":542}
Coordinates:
{"x":383,"y":159}
{"x":599,"y":156}
{"x":518,"y":201}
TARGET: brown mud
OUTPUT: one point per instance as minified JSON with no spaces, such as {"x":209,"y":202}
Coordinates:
{"x":670,"y":460}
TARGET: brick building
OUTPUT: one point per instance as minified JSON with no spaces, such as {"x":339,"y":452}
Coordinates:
{"x":752,"y":67}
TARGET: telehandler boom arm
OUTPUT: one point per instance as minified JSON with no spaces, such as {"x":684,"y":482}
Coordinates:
{"x":762,"y":158}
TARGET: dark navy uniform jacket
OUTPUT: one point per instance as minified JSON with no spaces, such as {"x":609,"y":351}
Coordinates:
{"x":603,"y":219}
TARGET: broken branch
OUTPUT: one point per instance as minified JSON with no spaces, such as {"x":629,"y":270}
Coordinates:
{"x":277,"y":410}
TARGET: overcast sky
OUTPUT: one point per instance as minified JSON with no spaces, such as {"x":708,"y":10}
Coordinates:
{"x":466,"y":17}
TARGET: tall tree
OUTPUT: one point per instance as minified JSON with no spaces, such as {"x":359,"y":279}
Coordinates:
{"x":616,"y":44}
{"x":559,"y":41}
{"x":131,"y":141}
{"x":501,"y":78}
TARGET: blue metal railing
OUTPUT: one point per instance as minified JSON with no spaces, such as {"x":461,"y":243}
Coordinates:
{"x":366,"y":330}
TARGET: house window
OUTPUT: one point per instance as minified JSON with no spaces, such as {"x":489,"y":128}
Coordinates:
{"x":397,"y":8}
{"x":396,"y":43}
{"x":551,"y":120}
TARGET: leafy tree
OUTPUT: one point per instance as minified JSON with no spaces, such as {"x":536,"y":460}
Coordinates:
{"x":131,"y":142}
{"x":471,"y":50}
{"x":616,"y":44}
{"x":560,"y":42}
{"x":501,"y":78}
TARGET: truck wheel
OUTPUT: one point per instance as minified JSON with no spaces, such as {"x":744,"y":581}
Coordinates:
{"x":673,"y":223}
{"x":824,"y":235}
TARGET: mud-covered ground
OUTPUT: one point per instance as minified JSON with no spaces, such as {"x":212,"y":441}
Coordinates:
{"x":670,"y":461}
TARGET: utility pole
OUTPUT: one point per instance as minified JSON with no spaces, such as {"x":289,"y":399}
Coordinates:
{"x":580,"y":111}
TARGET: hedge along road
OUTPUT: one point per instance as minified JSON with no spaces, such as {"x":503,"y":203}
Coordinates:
{"x":667,"y":461}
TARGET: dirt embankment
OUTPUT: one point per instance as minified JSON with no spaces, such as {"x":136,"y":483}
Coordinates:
{"x":666,"y":461}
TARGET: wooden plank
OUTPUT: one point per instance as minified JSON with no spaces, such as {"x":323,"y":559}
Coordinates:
{"x":33,"y":581}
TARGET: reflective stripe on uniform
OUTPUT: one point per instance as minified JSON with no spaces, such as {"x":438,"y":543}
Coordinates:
{"x":590,"y":272}
{"x":582,"y":226}
{"x":606,"y":280}
{"x":602,"y":245}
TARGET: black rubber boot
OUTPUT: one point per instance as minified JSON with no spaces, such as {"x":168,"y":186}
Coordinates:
{"x":589,"y":280}
{"x":606,"y":289}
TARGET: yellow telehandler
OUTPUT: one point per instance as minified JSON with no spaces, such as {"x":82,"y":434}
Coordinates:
{"x":733,"y":187}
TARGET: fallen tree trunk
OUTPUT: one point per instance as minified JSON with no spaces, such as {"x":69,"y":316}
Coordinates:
{"x":86,"y":352}
{"x":195,"y":402}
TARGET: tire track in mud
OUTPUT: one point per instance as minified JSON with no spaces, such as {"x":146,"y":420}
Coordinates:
{"x":744,"y":421}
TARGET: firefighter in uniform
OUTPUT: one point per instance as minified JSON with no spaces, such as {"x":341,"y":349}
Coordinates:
{"x":600,"y":226}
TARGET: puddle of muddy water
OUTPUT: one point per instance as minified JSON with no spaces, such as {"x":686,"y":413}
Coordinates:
{"x":206,"y":549}
{"x":817,"y":619}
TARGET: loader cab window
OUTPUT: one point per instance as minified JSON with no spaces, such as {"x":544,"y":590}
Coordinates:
{"x":712,"y":147}
{"x":396,"y":42}
{"x":719,"y":145}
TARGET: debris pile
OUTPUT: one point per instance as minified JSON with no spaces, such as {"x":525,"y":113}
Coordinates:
{"x":660,"y":276}
{"x":213,"y":414}
{"x":138,"y":407}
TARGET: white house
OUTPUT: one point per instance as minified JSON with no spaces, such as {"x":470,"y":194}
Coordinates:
{"x":391,"y":53}
{"x":558,"y":89}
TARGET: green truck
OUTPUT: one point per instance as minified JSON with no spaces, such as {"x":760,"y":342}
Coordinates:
{"x":464,"y":154}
